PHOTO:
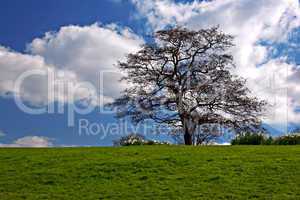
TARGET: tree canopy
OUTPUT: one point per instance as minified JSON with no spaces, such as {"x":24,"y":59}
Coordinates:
{"x":184,"y":80}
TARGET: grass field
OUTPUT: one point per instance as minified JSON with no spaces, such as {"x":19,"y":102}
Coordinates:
{"x":151,"y":172}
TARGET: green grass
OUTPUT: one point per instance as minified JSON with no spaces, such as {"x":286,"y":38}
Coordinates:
{"x":151,"y":172}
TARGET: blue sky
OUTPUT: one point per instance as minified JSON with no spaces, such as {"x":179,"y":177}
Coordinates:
{"x":22,"y":21}
{"x":57,"y":34}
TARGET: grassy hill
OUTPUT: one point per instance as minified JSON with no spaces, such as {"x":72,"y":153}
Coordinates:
{"x":151,"y":172}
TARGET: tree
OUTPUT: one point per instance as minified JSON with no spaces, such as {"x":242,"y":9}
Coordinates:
{"x":184,"y":80}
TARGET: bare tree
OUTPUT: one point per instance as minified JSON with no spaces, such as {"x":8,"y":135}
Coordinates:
{"x":184,"y":80}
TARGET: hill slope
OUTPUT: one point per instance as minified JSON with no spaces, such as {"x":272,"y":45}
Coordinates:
{"x":152,"y":172}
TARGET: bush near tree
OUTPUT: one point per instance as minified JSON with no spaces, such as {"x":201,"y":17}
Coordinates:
{"x":136,"y":139}
{"x":293,"y":139}
{"x":262,"y":139}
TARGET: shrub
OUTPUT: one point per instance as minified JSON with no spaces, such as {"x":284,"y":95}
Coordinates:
{"x":136,"y":139}
{"x":269,"y":141}
{"x":260,"y":139}
{"x":293,"y":139}
{"x":131,"y":139}
{"x":250,"y":139}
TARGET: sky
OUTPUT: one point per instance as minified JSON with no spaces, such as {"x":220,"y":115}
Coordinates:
{"x":58,"y":61}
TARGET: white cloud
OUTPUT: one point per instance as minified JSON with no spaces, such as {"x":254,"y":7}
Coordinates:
{"x":30,"y":141}
{"x":2,"y":134}
{"x":250,"y":22}
{"x":88,"y":50}
{"x":221,"y":144}
{"x":271,"y":83}
{"x":75,"y":54}
{"x":34,"y":88}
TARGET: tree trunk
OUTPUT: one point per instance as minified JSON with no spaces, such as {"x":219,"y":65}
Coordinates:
{"x":187,"y":138}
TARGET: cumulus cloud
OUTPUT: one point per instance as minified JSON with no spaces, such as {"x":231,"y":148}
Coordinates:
{"x":34,"y":88}
{"x":88,"y":50}
{"x":74,"y":55}
{"x":30,"y":141}
{"x":252,"y":23}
